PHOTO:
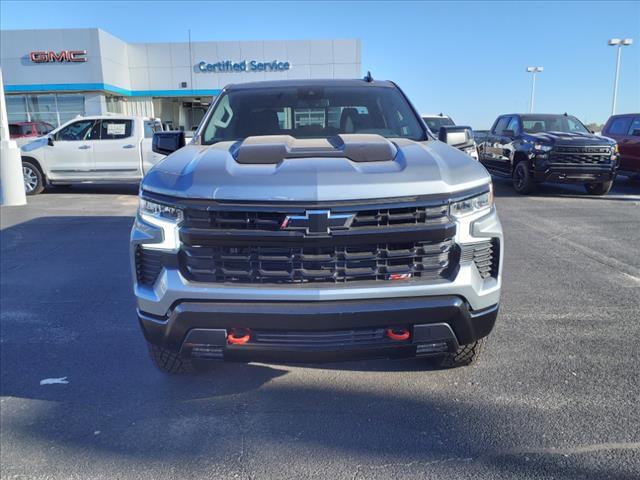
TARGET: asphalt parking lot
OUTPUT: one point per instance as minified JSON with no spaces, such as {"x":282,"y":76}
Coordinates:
{"x":556,"y":394}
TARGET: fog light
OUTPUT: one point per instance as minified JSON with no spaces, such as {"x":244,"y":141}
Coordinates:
{"x":436,"y":347}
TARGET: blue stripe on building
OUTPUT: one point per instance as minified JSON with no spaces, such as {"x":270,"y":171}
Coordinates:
{"x":105,"y":87}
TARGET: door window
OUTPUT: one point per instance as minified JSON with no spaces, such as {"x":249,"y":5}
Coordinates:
{"x":115,"y":129}
{"x":635,"y":125}
{"x":619,"y":126}
{"x":76,"y":131}
{"x":501,"y":126}
{"x":513,"y":125}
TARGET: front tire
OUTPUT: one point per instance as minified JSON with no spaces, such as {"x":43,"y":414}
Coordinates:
{"x":598,"y":188}
{"x":33,"y":178}
{"x":168,"y":361}
{"x":463,"y":356}
{"x":522,"y":179}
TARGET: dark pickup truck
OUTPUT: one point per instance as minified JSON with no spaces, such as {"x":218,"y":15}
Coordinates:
{"x":535,"y":148}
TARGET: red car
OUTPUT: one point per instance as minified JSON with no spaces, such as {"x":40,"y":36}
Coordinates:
{"x":625,"y":129}
{"x":29,"y":129}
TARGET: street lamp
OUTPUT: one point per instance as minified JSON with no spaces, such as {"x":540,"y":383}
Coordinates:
{"x":533,"y":70}
{"x":617,"y":42}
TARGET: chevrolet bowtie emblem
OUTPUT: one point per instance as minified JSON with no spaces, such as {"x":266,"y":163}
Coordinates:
{"x":317,"y":222}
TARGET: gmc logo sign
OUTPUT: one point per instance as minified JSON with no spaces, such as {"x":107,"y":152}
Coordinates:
{"x":63,"y":56}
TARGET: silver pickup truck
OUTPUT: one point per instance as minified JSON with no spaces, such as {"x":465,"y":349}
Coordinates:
{"x":315,"y":221}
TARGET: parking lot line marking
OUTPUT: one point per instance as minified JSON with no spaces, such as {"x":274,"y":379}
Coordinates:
{"x":54,"y":381}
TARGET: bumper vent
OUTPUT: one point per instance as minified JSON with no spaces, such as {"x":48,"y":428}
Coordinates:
{"x":318,"y":339}
{"x":485,"y":255}
{"x":300,"y":264}
{"x":148,"y":265}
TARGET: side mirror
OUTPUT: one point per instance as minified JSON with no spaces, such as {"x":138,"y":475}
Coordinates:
{"x":166,"y":143}
{"x":456,"y":136}
{"x":508,"y":133}
{"x":636,"y":132}
{"x":50,"y":141}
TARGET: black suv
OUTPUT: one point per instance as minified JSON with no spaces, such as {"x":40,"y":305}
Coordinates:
{"x":535,"y":148}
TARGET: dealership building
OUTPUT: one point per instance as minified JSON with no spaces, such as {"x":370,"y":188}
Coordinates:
{"x":55,"y":75}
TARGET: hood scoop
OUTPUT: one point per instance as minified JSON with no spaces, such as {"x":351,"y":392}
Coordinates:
{"x":273,"y":149}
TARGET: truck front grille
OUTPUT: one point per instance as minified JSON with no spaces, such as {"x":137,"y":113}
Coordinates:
{"x":272,"y":220}
{"x":598,"y":155}
{"x":485,"y":255}
{"x":335,"y":264}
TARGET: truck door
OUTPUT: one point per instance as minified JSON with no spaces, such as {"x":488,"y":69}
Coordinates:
{"x":489,"y":156}
{"x":505,"y":148}
{"x":71,"y":155}
{"x":117,"y":152}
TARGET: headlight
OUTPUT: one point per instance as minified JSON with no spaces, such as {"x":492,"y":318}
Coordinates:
{"x":167,"y":219}
{"x":157,"y":210}
{"x":539,"y":147}
{"x":475,"y":204}
{"x":614,"y":150}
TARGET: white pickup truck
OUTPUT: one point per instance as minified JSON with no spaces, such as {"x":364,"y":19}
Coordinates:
{"x":96,"y":149}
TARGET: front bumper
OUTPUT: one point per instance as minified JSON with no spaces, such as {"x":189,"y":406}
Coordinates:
{"x":454,"y":311}
{"x":543,"y":171}
{"x":318,"y":331}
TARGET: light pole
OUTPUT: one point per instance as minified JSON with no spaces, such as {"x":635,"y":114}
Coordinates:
{"x":533,"y":70}
{"x":617,"y":42}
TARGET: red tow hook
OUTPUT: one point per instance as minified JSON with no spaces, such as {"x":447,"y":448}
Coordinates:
{"x":238,"y":336}
{"x":398,"y":334}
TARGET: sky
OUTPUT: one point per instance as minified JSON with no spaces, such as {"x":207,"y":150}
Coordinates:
{"x":465,"y":59}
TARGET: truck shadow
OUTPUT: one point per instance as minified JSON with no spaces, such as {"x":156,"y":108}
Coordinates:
{"x":67,"y":313}
{"x":94,"y":188}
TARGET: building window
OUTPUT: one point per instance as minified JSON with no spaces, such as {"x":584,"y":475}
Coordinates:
{"x":70,"y":106}
{"x":54,"y":109}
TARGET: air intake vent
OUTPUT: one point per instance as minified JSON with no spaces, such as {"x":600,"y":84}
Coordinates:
{"x":148,"y":265}
{"x":485,"y":255}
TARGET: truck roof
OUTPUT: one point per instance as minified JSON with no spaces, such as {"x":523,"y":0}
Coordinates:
{"x":310,"y":83}
{"x":537,"y":114}
{"x":112,"y":116}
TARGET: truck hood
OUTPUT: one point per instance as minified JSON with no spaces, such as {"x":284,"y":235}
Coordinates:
{"x":412,"y":168}
{"x":32,"y":145}
{"x":574,"y":139}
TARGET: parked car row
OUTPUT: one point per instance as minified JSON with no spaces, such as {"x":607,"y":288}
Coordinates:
{"x":527,"y":148}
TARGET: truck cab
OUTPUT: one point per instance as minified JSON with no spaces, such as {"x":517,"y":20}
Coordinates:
{"x":535,"y":148}
{"x":107,"y":149}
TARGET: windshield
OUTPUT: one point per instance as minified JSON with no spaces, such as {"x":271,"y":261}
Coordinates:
{"x":312,"y":112}
{"x":549,"y":123}
{"x":434,"y":123}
